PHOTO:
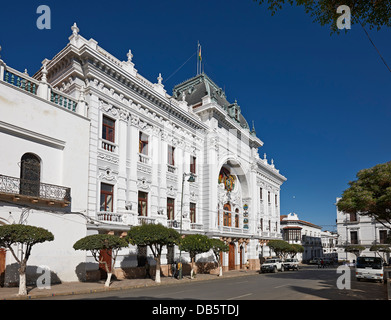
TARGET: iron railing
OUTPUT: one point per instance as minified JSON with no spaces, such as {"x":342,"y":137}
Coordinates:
{"x":12,"y":185}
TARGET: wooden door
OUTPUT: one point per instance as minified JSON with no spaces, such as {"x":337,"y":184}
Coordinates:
{"x":231,"y":257}
{"x":104,"y":256}
{"x":2,"y":266}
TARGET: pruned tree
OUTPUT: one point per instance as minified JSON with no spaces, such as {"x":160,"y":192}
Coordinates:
{"x":280,"y":247}
{"x":96,"y":243}
{"x":155,"y":236}
{"x":195,"y":244}
{"x":370,"y":194}
{"x":294,"y":249}
{"x":26,"y":236}
{"x":355,"y":249}
{"x":218,"y":247}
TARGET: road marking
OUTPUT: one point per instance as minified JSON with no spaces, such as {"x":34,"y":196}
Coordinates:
{"x":238,"y":297}
{"x":284,"y":285}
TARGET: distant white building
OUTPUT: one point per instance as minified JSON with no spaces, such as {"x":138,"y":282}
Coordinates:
{"x":309,"y":235}
{"x":356,"y":229}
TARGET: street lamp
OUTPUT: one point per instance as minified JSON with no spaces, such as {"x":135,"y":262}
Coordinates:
{"x":191,"y":179}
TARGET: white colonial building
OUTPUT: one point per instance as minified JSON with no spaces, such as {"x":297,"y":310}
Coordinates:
{"x":123,"y":149}
{"x":356,"y":229}
{"x":309,"y":235}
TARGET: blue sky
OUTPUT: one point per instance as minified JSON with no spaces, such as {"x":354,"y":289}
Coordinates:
{"x":320,"y":102}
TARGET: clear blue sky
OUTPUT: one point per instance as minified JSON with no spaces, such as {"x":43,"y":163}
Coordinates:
{"x":320,"y":102}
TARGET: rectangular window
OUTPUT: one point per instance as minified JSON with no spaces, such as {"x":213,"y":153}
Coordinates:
{"x":192,"y":164}
{"x":383,"y":236}
{"x":106,"y":197}
{"x":108,"y":129}
{"x":275,"y":200}
{"x":170,"y":159}
{"x":352,"y":217}
{"x":170,"y":208}
{"x":143,"y":143}
{"x":268,"y":196}
{"x":192,"y":213}
{"x":142,"y":203}
{"x":353,"y":237}
{"x":260,"y":193}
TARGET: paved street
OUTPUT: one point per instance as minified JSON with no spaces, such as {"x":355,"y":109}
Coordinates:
{"x":309,"y":283}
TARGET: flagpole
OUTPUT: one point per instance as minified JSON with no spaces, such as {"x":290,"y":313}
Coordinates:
{"x":198,"y":59}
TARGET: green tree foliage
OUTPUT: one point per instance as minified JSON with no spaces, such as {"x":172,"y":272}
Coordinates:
{"x":280,"y":247}
{"x":375,"y":13}
{"x":195,"y":244}
{"x":27,"y":236}
{"x":155,"y":236}
{"x":218,"y":247}
{"x":355,"y":249}
{"x":370,"y":194}
{"x":295,"y":249}
{"x":96,"y":243}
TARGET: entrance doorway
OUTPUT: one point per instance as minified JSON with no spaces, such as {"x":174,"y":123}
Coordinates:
{"x":104,"y":256}
{"x":231,"y":256}
{"x":2,"y":267}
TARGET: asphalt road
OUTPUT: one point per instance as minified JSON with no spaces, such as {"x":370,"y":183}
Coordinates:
{"x":309,"y":283}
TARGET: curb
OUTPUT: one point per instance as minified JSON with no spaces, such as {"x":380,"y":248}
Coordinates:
{"x":126,"y":287}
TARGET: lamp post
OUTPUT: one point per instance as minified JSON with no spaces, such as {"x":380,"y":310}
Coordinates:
{"x":191,"y":179}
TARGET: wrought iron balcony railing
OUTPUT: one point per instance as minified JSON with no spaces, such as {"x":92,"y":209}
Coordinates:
{"x":34,"y":189}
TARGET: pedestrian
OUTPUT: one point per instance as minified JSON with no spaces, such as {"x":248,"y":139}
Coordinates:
{"x":147,"y":269}
{"x":173,"y":269}
{"x":322,"y":263}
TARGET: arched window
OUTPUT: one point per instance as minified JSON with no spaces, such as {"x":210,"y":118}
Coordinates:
{"x":30,"y":175}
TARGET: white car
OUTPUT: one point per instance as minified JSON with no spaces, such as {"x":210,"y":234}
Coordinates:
{"x":291,"y":264}
{"x":272,"y":265}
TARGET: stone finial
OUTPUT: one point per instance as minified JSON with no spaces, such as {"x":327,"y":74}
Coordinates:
{"x":159,"y":78}
{"x":0,"y":52}
{"x":264,"y":156}
{"x":44,"y":70}
{"x":129,"y":55}
{"x":75,"y":29}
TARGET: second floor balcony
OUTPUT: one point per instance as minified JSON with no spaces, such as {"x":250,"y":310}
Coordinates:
{"x":18,"y":190}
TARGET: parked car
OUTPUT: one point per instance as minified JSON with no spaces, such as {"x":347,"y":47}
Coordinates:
{"x":291,"y":264}
{"x":272,"y":265}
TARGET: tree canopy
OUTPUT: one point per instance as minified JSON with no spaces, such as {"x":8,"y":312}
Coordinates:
{"x":370,"y":194}
{"x":28,"y":236}
{"x":374,"y":13}
{"x":155,"y":236}
{"x":97,"y":242}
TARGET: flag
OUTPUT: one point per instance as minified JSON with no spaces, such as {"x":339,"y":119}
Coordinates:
{"x":199,"y":53}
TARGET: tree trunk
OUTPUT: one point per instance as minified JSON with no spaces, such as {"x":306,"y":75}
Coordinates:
{"x":22,"y":280}
{"x":192,"y":269}
{"x":108,"y":280}
{"x":157,"y":273}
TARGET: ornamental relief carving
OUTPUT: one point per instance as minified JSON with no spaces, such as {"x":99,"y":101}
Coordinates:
{"x":108,"y":174}
{"x":144,"y":184}
{"x":109,"y":158}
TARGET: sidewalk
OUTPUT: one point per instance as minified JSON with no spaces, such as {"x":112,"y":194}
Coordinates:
{"x":74,"y":288}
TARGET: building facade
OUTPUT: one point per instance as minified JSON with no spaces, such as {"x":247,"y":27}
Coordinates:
{"x":309,"y":235}
{"x":356,"y":229}
{"x":141,"y":146}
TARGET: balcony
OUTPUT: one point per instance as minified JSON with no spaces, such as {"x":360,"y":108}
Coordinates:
{"x":16,"y":189}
